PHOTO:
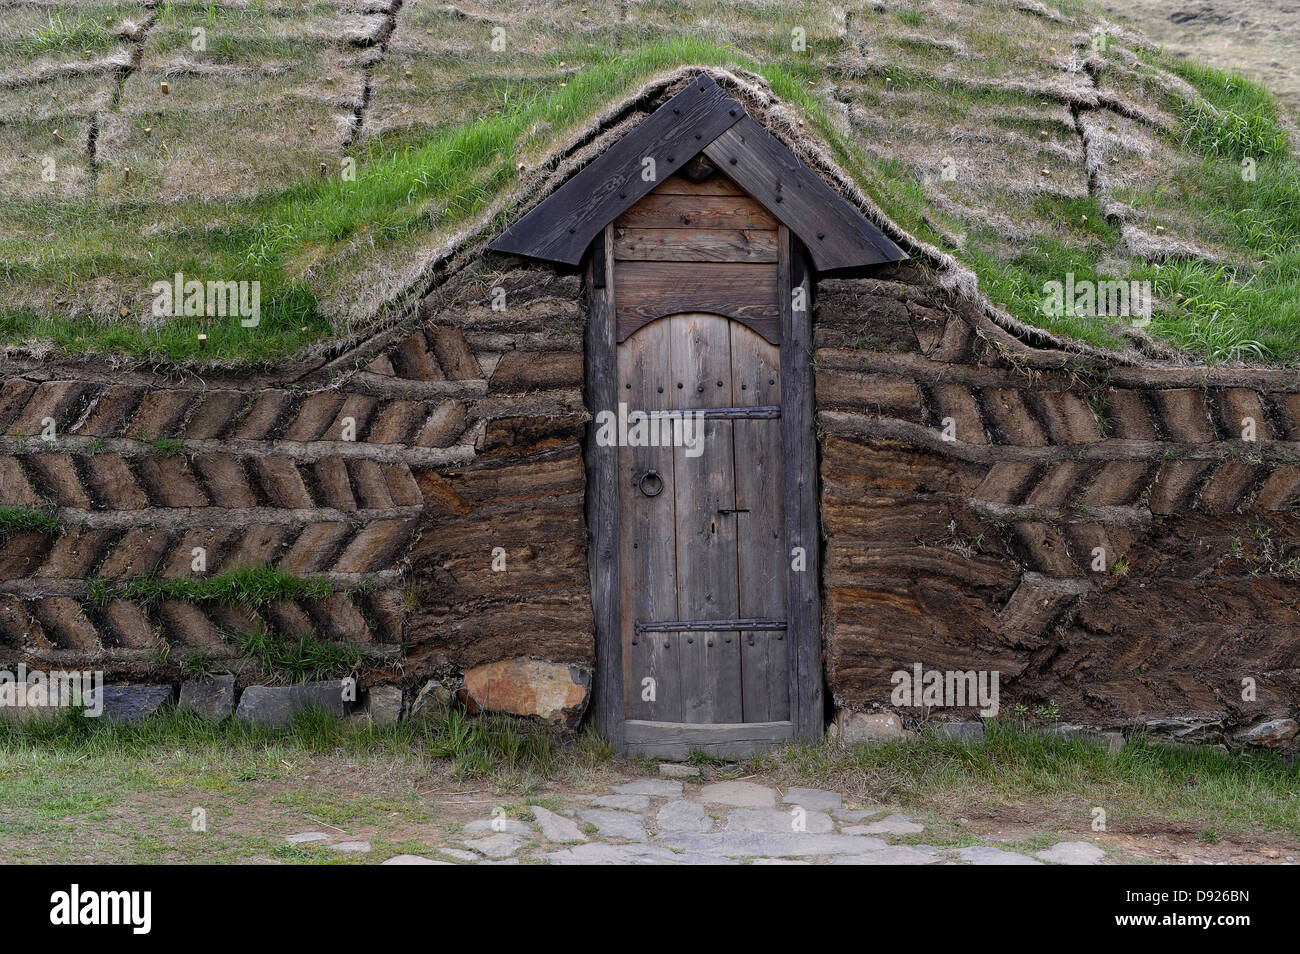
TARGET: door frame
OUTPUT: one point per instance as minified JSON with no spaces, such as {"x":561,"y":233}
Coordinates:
{"x":799,"y":447}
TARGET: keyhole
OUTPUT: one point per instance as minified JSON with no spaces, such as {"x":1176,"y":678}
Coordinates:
{"x":713,"y":526}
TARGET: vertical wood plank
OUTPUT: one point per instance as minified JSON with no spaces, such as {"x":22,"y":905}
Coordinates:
{"x":648,"y":535}
{"x":760,"y":533}
{"x":707,"y":583}
{"x":602,"y":497}
{"x":798,"y":432}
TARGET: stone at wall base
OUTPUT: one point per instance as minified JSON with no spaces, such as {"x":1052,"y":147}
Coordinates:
{"x":431,"y":702}
{"x":1186,"y":730}
{"x":274,"y":707}
{"x":33,"y":701}
{"x":384,"y":705}
{"x":678,"y":770}
{"x":1109,"y":739}
{"x":853,"y":727}
{"x":132,"y":703}
{"x":962,"y":731}
{"x":212,"y":697}
{"x":555,"y":692}
{"x":1269,"y":734}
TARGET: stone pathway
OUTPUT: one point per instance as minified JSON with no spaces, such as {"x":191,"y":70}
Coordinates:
{"x":680,"y":821}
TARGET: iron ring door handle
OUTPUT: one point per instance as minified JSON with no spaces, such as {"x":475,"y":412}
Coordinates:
{"x":651,"y":484}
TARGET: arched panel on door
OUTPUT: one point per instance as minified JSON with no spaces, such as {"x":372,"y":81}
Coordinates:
{"x":701,"y":529}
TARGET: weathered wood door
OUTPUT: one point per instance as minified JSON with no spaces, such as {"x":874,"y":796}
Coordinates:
{"x":704,"y":559}
{"x":702,"y":538}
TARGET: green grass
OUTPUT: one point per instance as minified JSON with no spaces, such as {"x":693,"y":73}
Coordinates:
{"x":300,"y":658}
{"x":25,"y":520}
{"x":1018,"y":283}
{"x":1242,"y":121}
{"x":69,"y":33}
{"x":1081,"y":219}
{"x":1210,"y":312}
{"x":1246,"y":311}
{"x":167,"y":446}
{"x":80,"y":790}
{"x":474,"y":747}
{"x":441,"y":183}
{"x":1142,"y":781}
{"x":246,"y":586}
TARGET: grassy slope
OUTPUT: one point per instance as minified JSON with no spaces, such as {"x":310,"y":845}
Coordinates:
{"x":296,"y":239}
{"x":1217,"y":311}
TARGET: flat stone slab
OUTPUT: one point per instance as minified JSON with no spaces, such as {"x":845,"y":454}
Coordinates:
{"x":500,"y":845}
{"x":132,"y":703}
{"x":351,"y":847}
{"x":25,"y":701}
{"x":599,"y":853}
{"x":614,"y":824}
{"x":985,"y":855}
{"x":855,"y":815}
{"x":212,"y":697}
{"x":1072,"y":853}
{"x":813,"y":799}
{"x":749,"y":844}
{"x":739,"y":794}
{"x":510,"y":826}
{"x":306,"y":837}
{"x":557,"y":828}
{"x":962,"y":731}
{"x":678,"y":770}
{"x":779,"y":861}
{"x":892,"y":855}
{"x":274,"y":707}
{"x":625,"y":803}
{"x":384,"y":704}
{"x":654,"y":787}
{"x":413,"y":860}
{"x":889,"y":825}
{"x":778,"y":820}
{"x":460,"y":854}
{"x":683,"y":815}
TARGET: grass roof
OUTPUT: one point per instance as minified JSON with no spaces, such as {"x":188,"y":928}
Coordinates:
{"x":332,"y":150}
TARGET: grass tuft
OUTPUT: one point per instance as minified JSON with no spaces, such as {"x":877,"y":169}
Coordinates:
{"x":301,"y":658}
{"x":1236,"y":119}
{"x":245,"y":586}
{"x":68,"y":33}
{"x":26,"y":520}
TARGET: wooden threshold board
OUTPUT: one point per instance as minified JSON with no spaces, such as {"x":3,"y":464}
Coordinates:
{"x":721,"y":740}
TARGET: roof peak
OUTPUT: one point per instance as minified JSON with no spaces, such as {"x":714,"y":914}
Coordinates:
{"x":700,"y":118}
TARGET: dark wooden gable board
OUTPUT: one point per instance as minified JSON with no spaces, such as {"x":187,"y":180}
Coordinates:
{"x":561,"y":227}
{"x":700,"y":118}
{"x":835,"y":233}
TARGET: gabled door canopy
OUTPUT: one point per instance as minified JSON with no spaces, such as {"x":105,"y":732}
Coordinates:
{"x":701,"y":118}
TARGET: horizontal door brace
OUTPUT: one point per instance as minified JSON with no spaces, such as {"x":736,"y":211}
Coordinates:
{"x":759,"y":412}
{"x":712,"y":626}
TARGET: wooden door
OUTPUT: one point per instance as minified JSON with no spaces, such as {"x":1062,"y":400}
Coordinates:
{"x":707,"y":623}
{"x":702,"y":552}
